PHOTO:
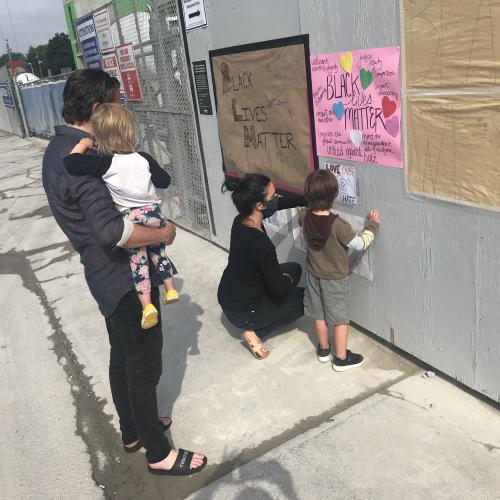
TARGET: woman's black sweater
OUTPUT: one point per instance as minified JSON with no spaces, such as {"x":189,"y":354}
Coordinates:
{"x":253,"y":270}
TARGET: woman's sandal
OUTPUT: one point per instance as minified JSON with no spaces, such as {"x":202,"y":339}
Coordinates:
{"x":257,"y":349}
{"x":137,"y":446}
{"x":181,"y":467}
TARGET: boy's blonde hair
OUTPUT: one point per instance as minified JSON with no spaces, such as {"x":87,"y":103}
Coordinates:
{"x":114,"y":129}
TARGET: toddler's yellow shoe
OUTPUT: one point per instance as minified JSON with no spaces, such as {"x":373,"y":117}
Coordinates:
{"x":171,"y":297}
{"x":149,"y":317}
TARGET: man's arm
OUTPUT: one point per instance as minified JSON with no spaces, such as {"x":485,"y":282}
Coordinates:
{"x":144,"y":236}
{"x":107,"y":224}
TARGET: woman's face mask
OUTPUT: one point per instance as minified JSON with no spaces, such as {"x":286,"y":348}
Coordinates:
{"x":270,"y":206}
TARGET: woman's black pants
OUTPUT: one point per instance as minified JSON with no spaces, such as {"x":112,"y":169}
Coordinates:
{"x":269,"y":313}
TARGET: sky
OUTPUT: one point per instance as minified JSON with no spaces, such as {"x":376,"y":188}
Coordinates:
{"x":35,"y":21}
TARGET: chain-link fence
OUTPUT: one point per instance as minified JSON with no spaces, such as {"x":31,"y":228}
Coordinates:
{"x":42,"y":105}
{"x":165,"y":117}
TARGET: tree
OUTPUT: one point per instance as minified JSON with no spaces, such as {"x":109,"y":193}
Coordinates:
{"x":59,"y":54}
{"x":34,"y":55}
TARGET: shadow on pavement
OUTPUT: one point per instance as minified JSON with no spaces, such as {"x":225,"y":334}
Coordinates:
{"x":278,"y":484}
{"x":181,"y":327}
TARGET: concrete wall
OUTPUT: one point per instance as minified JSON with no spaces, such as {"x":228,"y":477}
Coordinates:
{"x":436,"y":264}
{"x":9,"y":118}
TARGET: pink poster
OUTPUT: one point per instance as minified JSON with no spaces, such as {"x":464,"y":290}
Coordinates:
{"x":357,"y":106}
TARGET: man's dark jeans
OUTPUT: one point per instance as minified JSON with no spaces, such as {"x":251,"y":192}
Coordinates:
{"x":269,"y":313}
{"x":135,"y":367}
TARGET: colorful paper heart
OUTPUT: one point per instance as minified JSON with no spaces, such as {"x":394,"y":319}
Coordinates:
{"x":338,"y":110}
{"x":346,"y":62}
{"x":388,"y":106}
{"x":356,"y":137}
{"x":366,"y":78}
{"x":392,"y":126}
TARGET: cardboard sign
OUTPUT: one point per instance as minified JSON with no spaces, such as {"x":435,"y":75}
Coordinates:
{"x":87,"y":35}
{"x":357,"y":106}
{"x":103,"y":30}
{"x":128,"y":71}
{"x":263,"y":110}
{"x":451,"y":43}
{"x":453,"y":148}
{"x":452,"y":104}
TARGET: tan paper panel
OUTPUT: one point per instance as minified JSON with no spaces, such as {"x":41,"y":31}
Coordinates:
{"x":452,"y":42}
{"x":262,"y":113}
{"x":453,"y":148}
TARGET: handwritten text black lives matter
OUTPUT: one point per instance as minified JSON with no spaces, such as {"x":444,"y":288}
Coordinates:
{"x":253,"y":116}
{"x":357,"y":105}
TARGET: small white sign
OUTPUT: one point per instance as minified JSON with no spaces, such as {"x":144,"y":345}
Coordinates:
{"x":110,"y":65}
{"x":359,"y":262}
{"x":346,"y":178}
{"x":194,"y":14}
{"x":101,"y":21}
{"x":298,"y":235}
{"x":278,"y":222}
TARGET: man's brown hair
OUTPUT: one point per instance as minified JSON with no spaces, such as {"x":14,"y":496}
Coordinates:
{"x":84,"y":88}
{"x":321,"y":189}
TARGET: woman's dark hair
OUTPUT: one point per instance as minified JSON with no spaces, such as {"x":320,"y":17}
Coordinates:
{"x":83,"y":89}
{"x":247,"y":191}
{"x":321,"y":188}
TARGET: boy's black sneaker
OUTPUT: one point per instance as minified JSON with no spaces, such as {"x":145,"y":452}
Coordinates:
{"x":324,"y":355}
{"x":351,"y":361}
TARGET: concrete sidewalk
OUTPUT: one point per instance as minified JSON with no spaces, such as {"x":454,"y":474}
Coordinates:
{"x":302,"y":430}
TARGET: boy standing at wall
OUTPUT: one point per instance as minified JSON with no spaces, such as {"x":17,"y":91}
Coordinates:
{"x":328,"y":239}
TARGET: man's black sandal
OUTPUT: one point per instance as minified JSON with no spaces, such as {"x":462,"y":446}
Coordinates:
{"x":137,"y":446}
{"x":181,"y":467}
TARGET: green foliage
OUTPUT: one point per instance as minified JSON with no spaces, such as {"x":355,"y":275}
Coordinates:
{"x":54,"y":55}
{"x":34,"y":55}
{"x":59,"y":53}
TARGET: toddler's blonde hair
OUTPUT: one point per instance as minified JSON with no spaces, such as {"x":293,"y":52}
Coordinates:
{"x":114,"y":129}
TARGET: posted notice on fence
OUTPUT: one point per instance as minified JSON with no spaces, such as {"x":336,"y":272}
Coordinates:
{"x":357,"y":106}
{"x":7,"y":97}
{"x":194,"y":14}
{"x":110,"y":65}
{"x":128,"y":71}
{"x":103,"y":30}
{"x":87,"y":36}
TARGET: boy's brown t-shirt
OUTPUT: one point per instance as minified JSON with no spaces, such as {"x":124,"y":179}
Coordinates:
{"x":331,"y":261}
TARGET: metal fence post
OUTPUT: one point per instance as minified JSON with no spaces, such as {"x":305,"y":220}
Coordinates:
{"x":21,"y":109}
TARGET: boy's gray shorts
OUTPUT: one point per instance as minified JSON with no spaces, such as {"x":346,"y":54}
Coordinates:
{"x":327,"y":300}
